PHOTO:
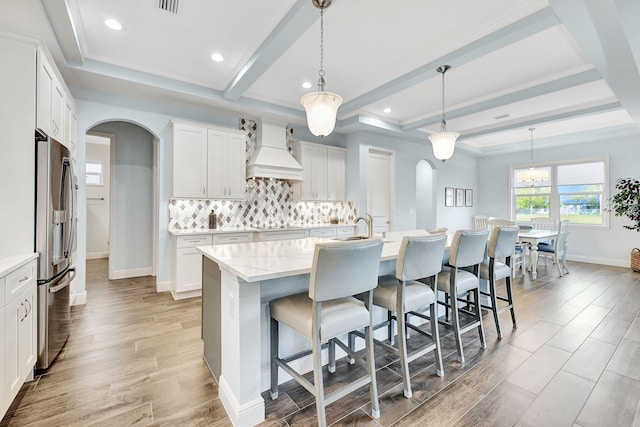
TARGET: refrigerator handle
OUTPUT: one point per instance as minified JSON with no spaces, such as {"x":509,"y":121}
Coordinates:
{"x":65,"y":282}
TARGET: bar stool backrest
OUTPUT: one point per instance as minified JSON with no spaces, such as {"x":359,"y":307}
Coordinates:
{"x":468,"y":248}
{"x":342,"y":269}
{"x":502,"y":242}
{"x":420,"y":257}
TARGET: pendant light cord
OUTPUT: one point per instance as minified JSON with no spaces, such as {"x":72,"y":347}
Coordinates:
{"x":444,"y":120}
{"x":531,"y":149}
{"x":321,"y":82}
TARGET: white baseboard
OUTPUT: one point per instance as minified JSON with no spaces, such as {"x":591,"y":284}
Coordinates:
{"x":97,"y":255}
{"x":248,"y":414}
{"x":163,"y":286}
{"x":79,"y":298}
{"x":136,"y":272}
{"x":187,"y":294}
{"x":603,"y":261}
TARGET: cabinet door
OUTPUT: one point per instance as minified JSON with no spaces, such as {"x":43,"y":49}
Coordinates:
{"x":336,"y":171}
{"x":57,"y":111}
{"x":189,"y":161}
{"x":189,"y":270}
{"x":306,"y":161}
{"x":4,"y":400}
{"x":14,"y":314}
{"x":28,"y":333}
{"x":217,"y":187}
{"x":319,"y":173}
{"x":44,"y":88}
{"x":236,"y":166}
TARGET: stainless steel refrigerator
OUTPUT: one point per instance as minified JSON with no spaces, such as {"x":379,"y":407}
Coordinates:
{"x":55,"y":242}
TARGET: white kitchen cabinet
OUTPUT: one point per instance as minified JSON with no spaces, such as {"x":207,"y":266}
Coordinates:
{"x":324,"y":170}
{"x":346,"y":231}
{"x":189,"y":160}
{"x":57,"y":111}
{"x":208,"y":162}
{"x":327,"y":232}
{"x":270,"y":235}
{"x":226,"y":165}
{"x":70,"y":125}
{"x":44,"y":91}
{"x":18,"y":333}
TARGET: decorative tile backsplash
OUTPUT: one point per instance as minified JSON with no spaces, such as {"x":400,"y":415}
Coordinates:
{"x":269,"y":204}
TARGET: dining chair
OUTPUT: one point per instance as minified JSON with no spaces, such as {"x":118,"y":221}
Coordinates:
{"x":438,"y":230}
{"x":558,"y":250}
{"x":467,"y":251}
{"x":518,"y":258}
{"x":500,"y":250}
{"x":481,"y":222}
{"x":541,"y":223}
{"x":328,"y":310}
{"x":419,"y":258}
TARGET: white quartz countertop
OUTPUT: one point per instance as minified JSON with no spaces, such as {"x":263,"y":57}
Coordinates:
{"x":224,"y":230}
{"x":11,"y":262}
{"x":257,"y":261}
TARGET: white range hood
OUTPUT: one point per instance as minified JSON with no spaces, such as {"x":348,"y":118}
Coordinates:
{"x":271,"y":158}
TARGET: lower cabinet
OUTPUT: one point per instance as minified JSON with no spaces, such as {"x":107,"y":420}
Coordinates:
{"x":18,"y":333}
{"x":267,"y":236}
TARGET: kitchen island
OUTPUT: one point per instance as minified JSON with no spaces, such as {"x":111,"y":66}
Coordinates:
{"x":238,"y":282}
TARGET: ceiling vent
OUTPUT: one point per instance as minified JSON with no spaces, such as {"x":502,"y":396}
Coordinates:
{"x":502,"y":116}
{"x":172,"y":6}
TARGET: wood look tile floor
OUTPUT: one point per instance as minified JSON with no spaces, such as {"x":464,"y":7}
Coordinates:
{"x":135,"y":359}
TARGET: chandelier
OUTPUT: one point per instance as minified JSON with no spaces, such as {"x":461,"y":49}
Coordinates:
{"x":321,"y":106}
{"x":532,"y":175}
{"x":443,"y":142}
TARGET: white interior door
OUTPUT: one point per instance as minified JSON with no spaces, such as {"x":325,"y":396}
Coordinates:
{"x":380,"y":188}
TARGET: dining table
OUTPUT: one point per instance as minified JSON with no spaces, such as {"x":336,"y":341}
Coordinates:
{"x":533,"y":238}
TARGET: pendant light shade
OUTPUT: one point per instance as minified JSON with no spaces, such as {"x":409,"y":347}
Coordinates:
{"x":443,"y":142}
{"x":532,"y":175}
{"x":321,"y":106}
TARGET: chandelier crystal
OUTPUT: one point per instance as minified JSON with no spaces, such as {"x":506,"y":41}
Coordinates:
{"x":321,"y":106}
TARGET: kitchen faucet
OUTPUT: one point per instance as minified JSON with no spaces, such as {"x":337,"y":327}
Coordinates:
{"x":369,"y":221}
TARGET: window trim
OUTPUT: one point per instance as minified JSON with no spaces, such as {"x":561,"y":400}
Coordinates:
{"x":100,"y":175}
{"x":554,"y":201}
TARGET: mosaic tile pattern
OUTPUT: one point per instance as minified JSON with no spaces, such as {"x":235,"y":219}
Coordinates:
{"x":269,"y":204}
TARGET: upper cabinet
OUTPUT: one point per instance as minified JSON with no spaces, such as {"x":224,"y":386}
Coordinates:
{"x":208,"y":162}
{"x":55,"y":109}
{"x":324,"y":170}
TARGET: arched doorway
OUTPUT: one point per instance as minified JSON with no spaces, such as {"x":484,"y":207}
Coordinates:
{"x":426,"y":212}
{"x":132,"y":200}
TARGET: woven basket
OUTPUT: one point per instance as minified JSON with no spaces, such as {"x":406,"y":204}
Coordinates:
{"x":635,"y":259}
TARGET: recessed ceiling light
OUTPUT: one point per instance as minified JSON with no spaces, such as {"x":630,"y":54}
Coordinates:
{"x":306,"y":85}
{"x":387,"y":110}
{"x":217,"y":57}
{"x":113,"y":24}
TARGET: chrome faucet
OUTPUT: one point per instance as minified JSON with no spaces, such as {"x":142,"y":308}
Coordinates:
{"x":369,"y":221}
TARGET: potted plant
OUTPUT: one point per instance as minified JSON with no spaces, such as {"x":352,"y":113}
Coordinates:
{"x":627,"y":203}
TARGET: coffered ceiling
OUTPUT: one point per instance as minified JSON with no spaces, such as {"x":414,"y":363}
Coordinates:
{"x":567,"y":67}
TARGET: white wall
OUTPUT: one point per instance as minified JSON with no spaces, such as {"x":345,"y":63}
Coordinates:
{"x":426,"y":202}
{"x":609,"y":246}
{"x":131,"y":245}
{"x":98,"y":198}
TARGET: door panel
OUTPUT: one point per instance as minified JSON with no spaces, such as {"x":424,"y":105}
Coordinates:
{"x":379,"y":191}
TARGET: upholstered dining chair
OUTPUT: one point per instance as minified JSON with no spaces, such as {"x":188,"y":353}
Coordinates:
{"x":518,"y":258}
{"x":419,"y":258}
{"x":500,"y":249}
{"x":439,"y":230}
{"x":328,"y":310}
{"x":558,"y":250}
{"x":467,"y":250}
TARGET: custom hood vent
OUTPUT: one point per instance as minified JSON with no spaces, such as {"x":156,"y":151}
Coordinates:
{"x":271,"y":158}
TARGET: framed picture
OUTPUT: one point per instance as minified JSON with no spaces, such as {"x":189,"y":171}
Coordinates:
{"x":459,"y":196}
{"x":448,"y":196}
{"x":468,"y":197}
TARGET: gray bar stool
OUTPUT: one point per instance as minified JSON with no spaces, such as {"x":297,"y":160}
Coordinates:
{"x":501,"y":246}
{"x":419,"y":258}
{"x":340,"y":270}
{"x":467,"y":250}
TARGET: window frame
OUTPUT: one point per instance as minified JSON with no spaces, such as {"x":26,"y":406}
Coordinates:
{"x":100,"y":175}
{"x":554,"y":200}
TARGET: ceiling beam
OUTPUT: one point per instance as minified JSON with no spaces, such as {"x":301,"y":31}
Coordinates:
{"x":61,"y":21}
{"x":607,"y":32}
{"x":552,"y":116}
{"x":288,"y":31}
{"x":525,"y":27}
{"x":510,"y":98}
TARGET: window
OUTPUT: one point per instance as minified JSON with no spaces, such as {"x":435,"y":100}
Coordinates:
{"x":574,"y":191}
{"x":94,"y":173}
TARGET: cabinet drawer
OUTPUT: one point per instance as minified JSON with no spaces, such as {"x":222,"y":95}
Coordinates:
{"x":323,"y":232}
{"x":192,"y":241}
{"x":233,"y":238}
{"x":282,"y":235}
{"x":18,"y":280}
{"x":346,"y":231}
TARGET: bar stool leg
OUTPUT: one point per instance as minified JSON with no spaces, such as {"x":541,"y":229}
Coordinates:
{"x":317,"y":380}
{"x":494,"y":305}
{"x":437,"y":352}
{"x":476,"y":298}
{"x":510,"y":298}
{"x":332,"y":356}
{"x":371,"y":367}
{"x":274,"y":353}
{"x":455,"y":321}
{"x":402,"y":346}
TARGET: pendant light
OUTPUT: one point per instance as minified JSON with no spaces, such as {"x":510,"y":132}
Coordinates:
{"x":532,"y":175}
{"x":321,"y":106}
{"x":443,"y":142}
